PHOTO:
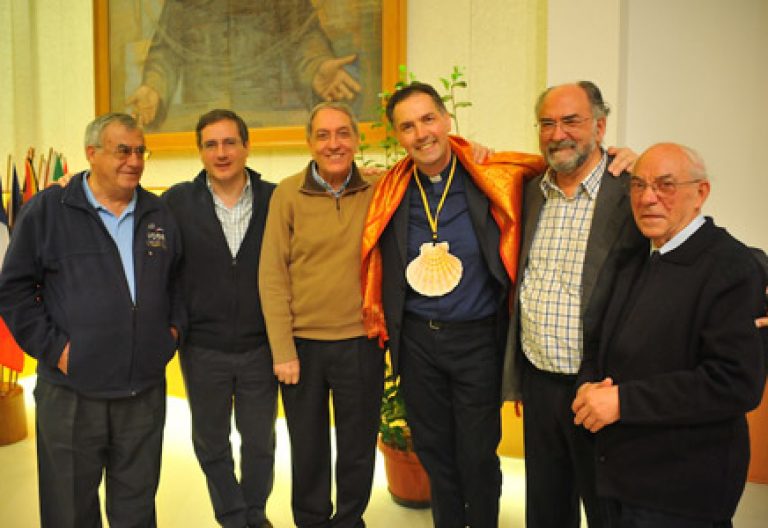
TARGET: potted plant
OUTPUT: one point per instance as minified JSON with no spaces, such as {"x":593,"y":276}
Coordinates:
{"x":407,"y":481}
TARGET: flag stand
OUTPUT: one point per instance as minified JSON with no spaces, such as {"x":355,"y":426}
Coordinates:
{"x":13,"y":415}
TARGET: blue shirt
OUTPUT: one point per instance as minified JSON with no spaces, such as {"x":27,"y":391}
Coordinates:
{"x":325,"y":185}
{"x":684,"y":234}
{"x":121,"y":230}
{"x":474,"y":297}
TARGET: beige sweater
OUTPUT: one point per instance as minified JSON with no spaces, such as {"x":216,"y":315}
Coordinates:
{"x":309,"y":272}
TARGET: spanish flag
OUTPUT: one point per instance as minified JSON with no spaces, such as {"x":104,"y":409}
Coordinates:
{"x":11,"y":355}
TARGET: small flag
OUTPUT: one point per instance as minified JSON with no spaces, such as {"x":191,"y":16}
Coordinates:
{"x":11,"y":355}
{"x":30,"y":182}
{"x":58,"y":168}
{"x":14,"y":200}
{"x":3,"y":227}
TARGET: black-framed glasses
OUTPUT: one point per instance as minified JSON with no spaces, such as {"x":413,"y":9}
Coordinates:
{"x":662,"y":186}
{"x":123,"y":152}
{"x":567,"y":124}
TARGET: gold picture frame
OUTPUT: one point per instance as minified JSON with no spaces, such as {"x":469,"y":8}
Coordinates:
{"x":393,"y":54}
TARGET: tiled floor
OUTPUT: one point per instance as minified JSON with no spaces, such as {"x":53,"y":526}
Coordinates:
{"x":182,"y":500}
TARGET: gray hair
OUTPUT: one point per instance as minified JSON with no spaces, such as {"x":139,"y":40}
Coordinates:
{"x":95,"y":129}
{"x":697,"y":169}
{"x":333,"y":105}
{"x":599,"y":107}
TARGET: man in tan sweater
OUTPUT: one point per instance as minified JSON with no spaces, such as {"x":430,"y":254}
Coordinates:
{"x":309,"y":277}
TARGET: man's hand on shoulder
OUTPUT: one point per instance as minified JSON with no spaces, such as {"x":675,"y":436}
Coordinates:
{"x":287,"y":372}
{"x":61,"y":182}
{"x":371,"y":173}
{"x":624,"y":160}
{"x":480,"y":153}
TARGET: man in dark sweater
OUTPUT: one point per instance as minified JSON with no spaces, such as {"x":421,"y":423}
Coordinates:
{"x":225,"y":359}
{"x":678,"y":360}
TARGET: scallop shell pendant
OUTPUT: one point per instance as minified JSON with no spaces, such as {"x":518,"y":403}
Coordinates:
{"x":435,"y":271}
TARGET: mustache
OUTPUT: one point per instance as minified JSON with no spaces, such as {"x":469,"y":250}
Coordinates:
{"x":552,"y":146}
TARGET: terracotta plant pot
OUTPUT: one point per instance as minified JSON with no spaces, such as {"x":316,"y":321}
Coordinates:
{"x":13,"y":416}
{"x":407,"y":481}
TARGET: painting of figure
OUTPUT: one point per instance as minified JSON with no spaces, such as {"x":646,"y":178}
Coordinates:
{"x":270,"y":60}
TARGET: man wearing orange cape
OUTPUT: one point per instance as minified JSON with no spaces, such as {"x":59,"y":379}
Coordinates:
{"x":439,"y":256}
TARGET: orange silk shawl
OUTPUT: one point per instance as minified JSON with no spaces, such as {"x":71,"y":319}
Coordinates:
{"x":500,"y":179}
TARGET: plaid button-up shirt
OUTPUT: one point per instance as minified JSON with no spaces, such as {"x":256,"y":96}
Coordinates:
{"x":550,"y":292}
{"x":234,"y":221}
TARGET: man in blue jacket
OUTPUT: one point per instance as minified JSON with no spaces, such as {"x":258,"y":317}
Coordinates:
{"x":86,"y":289}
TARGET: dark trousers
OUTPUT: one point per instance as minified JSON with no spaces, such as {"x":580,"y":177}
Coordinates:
{"x":450,"y":381}
{"x":80,"y":439}
{"x":351,"y":371}
{"x":620,"y":515}
{"x":217,"y":384}
{"x":559,"y":456}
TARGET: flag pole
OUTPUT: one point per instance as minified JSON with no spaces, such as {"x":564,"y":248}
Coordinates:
{"x":48,"y":167}
{"x":40,"y":172}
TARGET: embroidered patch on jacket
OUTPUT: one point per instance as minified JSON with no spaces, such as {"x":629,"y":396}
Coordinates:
{"x":155,"y":236}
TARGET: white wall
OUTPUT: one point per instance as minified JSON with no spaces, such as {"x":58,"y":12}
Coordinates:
{"x":502,"y":47}
{"x":6,"y":103}
{"x":583,"y":43}
{"x":46,"y":60}
{"x":697,"y":73}
{"x":689,"y":71}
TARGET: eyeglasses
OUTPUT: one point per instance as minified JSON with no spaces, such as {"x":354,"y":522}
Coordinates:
{"x":567,"y":124}
{"x":663,"y":186}
{"x":123,"y":152}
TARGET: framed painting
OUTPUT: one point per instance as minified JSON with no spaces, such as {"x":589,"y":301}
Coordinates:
{"x":169,"y":61}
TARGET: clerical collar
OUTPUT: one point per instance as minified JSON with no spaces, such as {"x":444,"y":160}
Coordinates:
{"x":440,"y":176}
{"x":325,"y":185}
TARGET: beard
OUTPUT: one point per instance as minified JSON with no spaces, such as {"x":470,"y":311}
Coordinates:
{"x":573,"y":162}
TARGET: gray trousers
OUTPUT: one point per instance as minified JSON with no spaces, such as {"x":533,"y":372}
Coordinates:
{"x":80,"y":439}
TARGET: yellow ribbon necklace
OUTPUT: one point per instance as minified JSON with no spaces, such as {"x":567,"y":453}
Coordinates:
{"x":434,"y":272}
{"x":433,"y":220}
